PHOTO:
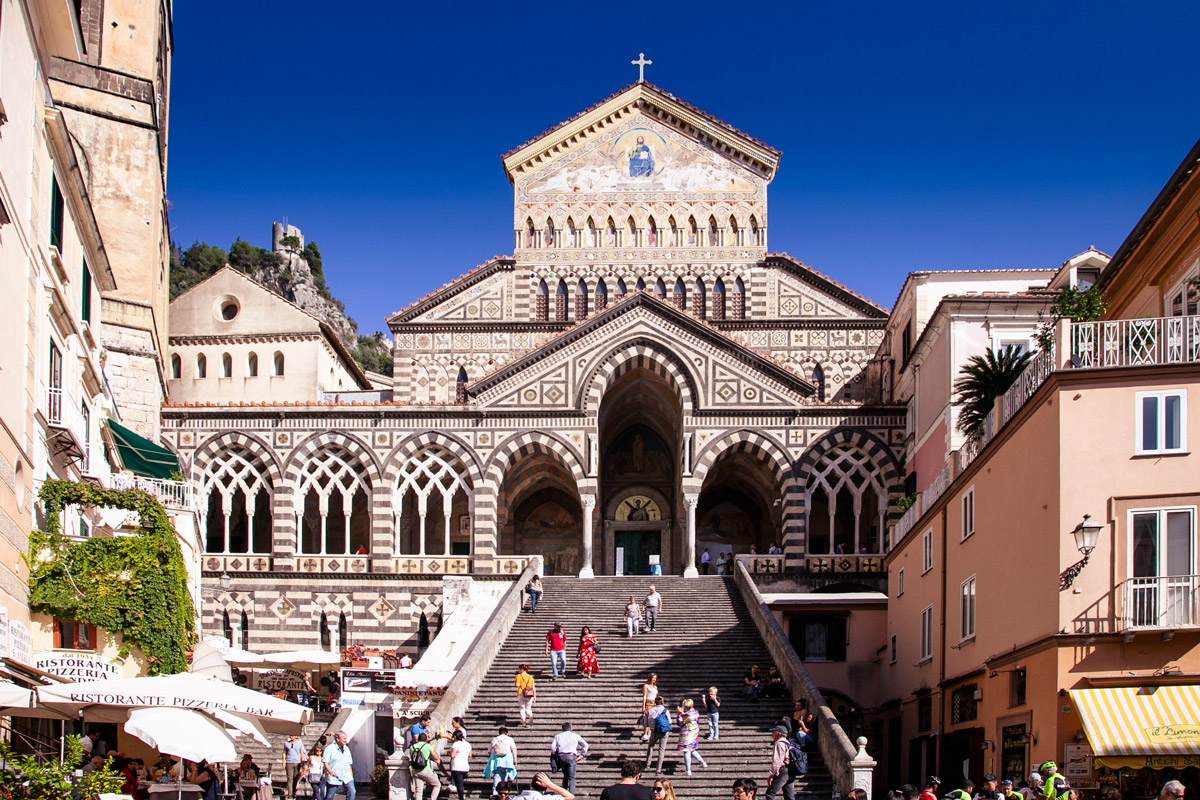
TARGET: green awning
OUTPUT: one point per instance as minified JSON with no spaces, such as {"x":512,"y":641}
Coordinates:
{"x":142,"y":456}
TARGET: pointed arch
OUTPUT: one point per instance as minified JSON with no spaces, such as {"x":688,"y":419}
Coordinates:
{"x":593,"y":234}
{"x":176,"y":367}
{"x":601,"y":295}
{"x":640,"y":286}
{"x":631,"y":231}
{"x":718,"y":300}
{"x":735,"y":234}
{"x":252,"y":365}
{"x":581,"y":301}
{"x":522,"y":444}
{"x":460,"y":386}
{"x":610,"y":234}
{"x":235,"y":501}
{"x":818,"y":380}
{"x":679,"y":295}
{"x":437,"y":474}
{"x":549,"y":241}
{"x":674,"y":228}
{"x":714,"y":233}
{"x":530,"y":233}
{"x":738,"y":310}
{"x":755,"y":233}
{"x":699,"y":306}
{"x":693,"y":233}
{"x":560,"y":301}
{"x":201,"y":366}
{"x":660,"y":289}
{"x":572,"y":234}
{"x":333,"y":498}
{"x":637,"y":353}
{"x":226,"y":365}
{"x":764,"y":447}
{"x":621,"y":292}
{"x":542,"y":304}
{"x":651,"y":232}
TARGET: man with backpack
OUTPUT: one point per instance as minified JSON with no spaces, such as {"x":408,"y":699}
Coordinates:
{"x":781,"y":777}
{"x":421,"y":760}
{"x":658,"y":719}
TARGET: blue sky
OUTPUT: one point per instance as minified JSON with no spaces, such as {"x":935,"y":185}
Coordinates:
{"x":914,"y":135}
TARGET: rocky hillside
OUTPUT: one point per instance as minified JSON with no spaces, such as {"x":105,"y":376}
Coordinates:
{"x":292,"y":269}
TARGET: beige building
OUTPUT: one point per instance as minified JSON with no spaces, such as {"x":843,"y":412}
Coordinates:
{"x":1013,"y":638}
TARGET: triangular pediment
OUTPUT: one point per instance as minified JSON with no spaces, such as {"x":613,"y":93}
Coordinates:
{"x":720,"y":373}
{"x":651,"y":105}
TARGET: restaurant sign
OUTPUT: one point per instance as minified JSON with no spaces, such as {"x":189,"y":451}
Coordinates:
{"x":283,"y":680}
{"x":1176,"y":733}
{"x":77,"y":667}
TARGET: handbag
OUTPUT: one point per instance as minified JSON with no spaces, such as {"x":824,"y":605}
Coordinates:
{"x":529,"y":692}
{"x":596,"y":649}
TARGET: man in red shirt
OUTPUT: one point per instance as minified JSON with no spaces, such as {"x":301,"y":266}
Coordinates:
{"x":931,"y":787}
{"x":556,"y":647}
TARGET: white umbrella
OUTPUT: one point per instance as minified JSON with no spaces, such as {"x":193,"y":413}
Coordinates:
{"x":182,"y":732}
{"x":240,"y":724}
{"x":304,"y":659}
{"x":109,"y":700}
{"x":13,"y":696}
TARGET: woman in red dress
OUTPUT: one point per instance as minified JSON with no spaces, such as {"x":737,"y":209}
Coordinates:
{"x":587,"y":654}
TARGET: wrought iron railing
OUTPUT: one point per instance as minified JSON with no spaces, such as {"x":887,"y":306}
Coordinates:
{"x":1165,"y":601}
{"x":906,"y":522}
{"x":1026,"y":384}
{"x":1135,"y":342}
{"x":172,"y":494}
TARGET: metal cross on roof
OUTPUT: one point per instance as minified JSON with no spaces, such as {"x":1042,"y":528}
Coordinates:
{"x":641,"y":64}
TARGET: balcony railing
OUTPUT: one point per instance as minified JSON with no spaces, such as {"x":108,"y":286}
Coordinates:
{"x":1135,"y":342}
{"x":172,"y":494}
{"x":1163,"y":602}
{"x":67,"y":426}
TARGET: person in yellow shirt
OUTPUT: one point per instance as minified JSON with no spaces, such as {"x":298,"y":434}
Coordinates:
{"x":526,"y":693}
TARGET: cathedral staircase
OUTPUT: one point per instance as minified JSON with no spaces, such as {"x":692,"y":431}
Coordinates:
{"x":705,"y":638}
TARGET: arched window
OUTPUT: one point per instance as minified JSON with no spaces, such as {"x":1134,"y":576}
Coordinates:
{"x":693,"y":232}
{"x":593,"y":236}
{"x":601,"y":296}
{"x":735,"y":235}
{"x":754,"y":231}
{"x":714,"y":235}
{"x":818,"y":380}
{"x":610,"y":234}
{"x":252,"y":365}
{"x":543,"y":302}
{"x":334,"y":501}
{"x":244,"y":644}
{"x":176,"y":366}
{"x":460,"y":386}
{"x":846,"y":504}
{"x":678,"y":295}
{"x":572,"y":234}
{"x":227,"y":628}
{"x":718,"y":303}
{"x":278,"y":363}
{"x":422,"y":632}
{"x":530,"y":233}
{"x":739,"y":300}
{"x":424,"y":497}
{"x":651,"y":233}
{"x":201,"y":366}
{"x":323,"y":632}
{"x":343,"y":633}
{"x":560,"y":302}
{"x":660,"y":289}
{"x":581,"y":301}
{"x":550,"y":233}
{"x":631,"y":233}
{"x":674,"y":231}
{"x":620,"y":289}
{"x":235,"y":503}
{"x":226,"y":366}
{"x":698,"y":299}
{"x":640,"y":286}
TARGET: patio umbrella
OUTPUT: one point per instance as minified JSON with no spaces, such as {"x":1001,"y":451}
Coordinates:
{"x":13,"y":696}
{"x":240,"y":724}
{"x":303,"y":659}
{"x":182,"y":732}
{"x":110,"y":700}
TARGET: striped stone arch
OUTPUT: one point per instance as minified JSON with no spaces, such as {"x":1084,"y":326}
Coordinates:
{"x":414,"y":444}
{"x":527,"y":443}
{"x":211,"y":450}
{"x":639,"y":353}
{"x":763,"y":447}
{"x":311,"y":446}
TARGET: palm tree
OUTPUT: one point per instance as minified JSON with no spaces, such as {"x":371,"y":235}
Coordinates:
{"x":982,"y":380}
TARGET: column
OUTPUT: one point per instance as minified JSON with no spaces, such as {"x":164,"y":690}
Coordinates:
{"x":689,"y":549}
{"x":589,"y":505}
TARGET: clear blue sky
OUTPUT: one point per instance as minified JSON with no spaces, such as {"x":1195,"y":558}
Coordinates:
{"x":914,"y":135}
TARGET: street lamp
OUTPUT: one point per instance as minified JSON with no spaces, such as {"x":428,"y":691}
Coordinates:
{"x":1087,"y":534}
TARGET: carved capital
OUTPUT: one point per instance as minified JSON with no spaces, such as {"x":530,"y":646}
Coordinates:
{"x":588,"y":500}
{"x":691,"y":499}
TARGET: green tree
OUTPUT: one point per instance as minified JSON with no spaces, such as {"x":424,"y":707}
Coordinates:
{"x":245,"y":257}
{"x":981,"y":381}
{"x":1071,"y":303}
{"x":27,"y":777}
{"x":189,"y":267}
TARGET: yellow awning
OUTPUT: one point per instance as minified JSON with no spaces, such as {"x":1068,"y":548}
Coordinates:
{"x":1130,"y":726}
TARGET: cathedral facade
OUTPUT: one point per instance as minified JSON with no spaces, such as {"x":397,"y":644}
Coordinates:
{"x":640,"y":382}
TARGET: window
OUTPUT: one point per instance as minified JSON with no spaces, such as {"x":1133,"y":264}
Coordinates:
{"x":966,"y":595}
{"x":176,"y":366}
{"x":818,"y":638}
{"x":924,"y":714}
{"x":334,"y":492}
{"x":927,"y":551}
{"x":906,"y":342}
{"x":86,"y":419}
{"x":678,"y":296}
{"x":235,"y":503}
{"x":1184,"y":299}
{"x":543,"y":302}
{"x":698,"y":300}
{"x":252,"y":365}
{"x":892,"y":650}
{"x":964,"y":704}
{"x":1086,"y":277}
{"x":1161,"y":590}
{"x":85,"y":306}
{"x":1016,"y":687}
{"x":968,"y":513}
{"x":1162,"y":422}
{"x":56,"y":214}
{"x":201,"y":366}
{"x":581,"y":301}
{"x":70,"y":635}
{"x":460,"y":386}
{"x":54,"y":384}
{"x":278,"y":364}
{"x":818,"y":380}
{"x":900,"y":583}
{"x":323,"y":632}
{"x":846,"y":503}
{"x":560,"y":302}
{"x":427,"y":491}
{"x":739,"y":300}
{"x":601,"y":296}
{"x":927,"y":633}
{"x":226,"y":366}
{"x":718,"y":303}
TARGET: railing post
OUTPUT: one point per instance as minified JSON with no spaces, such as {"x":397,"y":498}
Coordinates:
{"x":399,"y":779}
{"x":862,"y":768}
{"x":1062,"y":343}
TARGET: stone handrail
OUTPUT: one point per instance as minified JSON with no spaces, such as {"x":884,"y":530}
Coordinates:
{"x":849,"y":766}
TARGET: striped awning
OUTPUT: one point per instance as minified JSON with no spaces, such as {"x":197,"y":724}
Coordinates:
{"x":1136,"y":727}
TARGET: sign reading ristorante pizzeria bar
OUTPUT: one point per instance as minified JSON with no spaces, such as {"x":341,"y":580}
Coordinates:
{"x":76,"y":667}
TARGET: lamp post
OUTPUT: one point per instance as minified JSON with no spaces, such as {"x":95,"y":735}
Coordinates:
{"x":1087,"y":534}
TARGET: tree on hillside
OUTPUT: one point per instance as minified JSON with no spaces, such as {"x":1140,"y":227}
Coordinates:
{"x":189,"y":267}
{"x":245,"y":257}
{"x":982,"y":380}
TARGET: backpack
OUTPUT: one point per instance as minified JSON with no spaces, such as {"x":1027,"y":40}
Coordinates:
{"x":797,"y":758}
{"x":416,"y":759}
{"x":662,"y":723}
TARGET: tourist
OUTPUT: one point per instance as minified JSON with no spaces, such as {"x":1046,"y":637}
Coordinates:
{"x":556,"y":648}
{"x":1033,"y":788}
{"x":125,"y":771}
{"x":809,"y":723}
{"x":712,"y":708}
{"x":663,"y":789}
{"x":526,"y":693}
{"x":456,"y":725}
{"x":689,"y":734}
{"x":587,"y":664}
{"x":1172,"y":790}
{"x":406,"y":661}
{"x":418,"y":727}
{"x":247,"y":777}
{"x":422,"y":759}
{"x":540,"y":788}
{"x":857,"y":794}
{"x":293,"y":758}
{"x":653,"y":607}
{"x":722,"y":562}
{"x":633,"y":615}
{"x":460,"y":753}
{"x":1007,"y":792}
{"x":752,"y":684}
{"x":795,"y":722}
{"x":88,"y":742}
{"x":658,"y":719}
{"x":964,"y":792}
{"x":989,"y":789}
{"x":204,"y":776}
{"x":502,"y":759}
{"x":744,"y":787}
{"x":649,"y":696}
{"x":339,"y":768}
{"x":774,"y":550}
{"x":1054,"y":785}
{"x":316,"y":771}
{"x":565,"y":750}
{"x":94,"y":764}
{"x":781,"y":778}
{"x":629,"y":788}
{"x":534,"y":589}
{"x":775,"y":687}
{"x":909,"y":791}
{"x":705,"y":561}
{"x":931,"y":786}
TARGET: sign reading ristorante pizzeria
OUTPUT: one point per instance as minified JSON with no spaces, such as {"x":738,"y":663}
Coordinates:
{"x":76,"y":666}
{"x":155,"y":700}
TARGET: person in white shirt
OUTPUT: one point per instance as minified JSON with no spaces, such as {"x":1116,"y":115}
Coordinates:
{"x":653,"y":607}
{"x":705,"y":561}
{"x":565,"y":748}
{"x":460,"y":752}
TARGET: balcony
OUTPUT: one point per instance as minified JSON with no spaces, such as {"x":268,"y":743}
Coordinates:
{"x":1135,"y":342}
{"x":67,"y":427}
{"x":174,"y":495}
{"x":1163,"y":603}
